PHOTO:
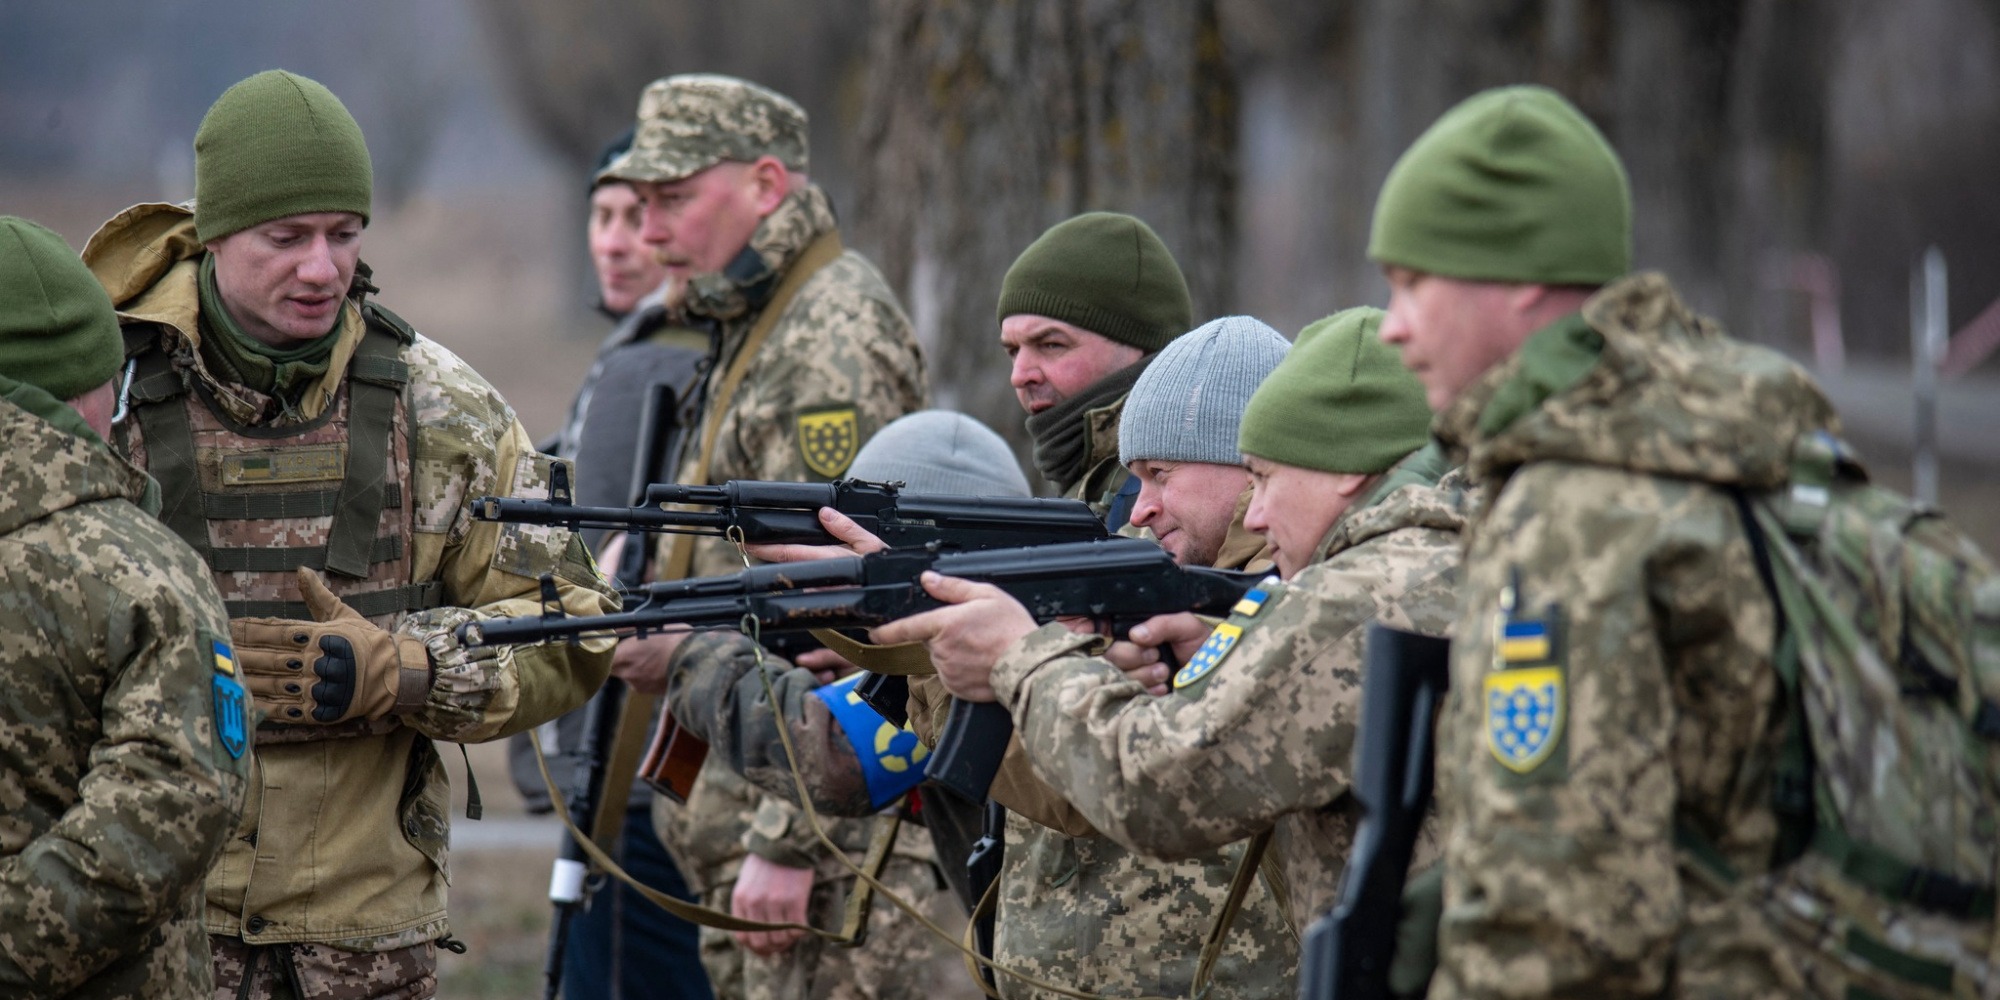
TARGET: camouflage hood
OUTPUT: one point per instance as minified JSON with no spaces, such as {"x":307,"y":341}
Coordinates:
{"x":149,"y":259}
{"x":1636,"y":381}
{"x":63,"y":464}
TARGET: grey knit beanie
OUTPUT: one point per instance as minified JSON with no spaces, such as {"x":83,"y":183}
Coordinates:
{"x":1188,"y":404}
{"x":942,"y":452}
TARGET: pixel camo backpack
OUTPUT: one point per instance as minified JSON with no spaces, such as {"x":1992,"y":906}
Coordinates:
{"x":1887,"y":787}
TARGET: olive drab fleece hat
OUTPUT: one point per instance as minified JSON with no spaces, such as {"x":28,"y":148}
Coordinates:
{"x":58,"y":332}
{"x":691,"y":122}
{"x":1513,"y":184}
{"x":1188,"y":404}
{"x":1105,"y":272}
{"x":273,"y":145}
{"x":1341,"y":401}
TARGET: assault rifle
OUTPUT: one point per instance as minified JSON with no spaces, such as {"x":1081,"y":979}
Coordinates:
{"x":756,"y":512}
{"x":1347,"y":952}
{"x":1118,"y":582}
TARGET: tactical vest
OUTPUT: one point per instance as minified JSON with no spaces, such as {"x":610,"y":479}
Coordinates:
{"x":258,"y":502}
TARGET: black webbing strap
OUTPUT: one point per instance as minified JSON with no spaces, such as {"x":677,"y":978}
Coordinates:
{"x":284,"y":560}
{"x":156,"y":398}
{"x":376,"y":378}
{"x":414,"y":597}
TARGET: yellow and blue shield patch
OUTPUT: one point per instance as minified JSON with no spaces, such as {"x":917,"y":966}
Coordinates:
{"x":1209,"y":656}
{"x":232,"y":703}
{"x":891,"y":756}
{"x":1524,"y":715}
{"x":828,"y":439}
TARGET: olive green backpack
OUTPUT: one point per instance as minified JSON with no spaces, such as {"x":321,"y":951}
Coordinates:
{"x":1887,"y":788}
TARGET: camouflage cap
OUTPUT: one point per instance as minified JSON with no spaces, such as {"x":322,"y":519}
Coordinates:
{"x":694,"y":121}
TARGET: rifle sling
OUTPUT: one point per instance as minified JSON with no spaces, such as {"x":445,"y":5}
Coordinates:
{"x":628,"y":744}
{"x":903,"y":659}
{"x":1239,"y":890}
{"x":861,"y":898}
{"x":634,"y":722}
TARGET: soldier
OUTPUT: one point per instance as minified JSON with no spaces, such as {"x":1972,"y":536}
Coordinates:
{"x":620,"y":944}
{"x":811,"y":354}
{"x":318,"y":454}
{"x":1261,"y":724}
{"x":1082,"y":312}
{"x":122,"y":722}
{"x":714,"y":692}
{"x":1613,"y":690}
{"x":1076,"y":907}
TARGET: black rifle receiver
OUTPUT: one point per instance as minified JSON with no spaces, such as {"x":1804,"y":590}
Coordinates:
{"x":772,"y":512}
{"x":1347,"y":952}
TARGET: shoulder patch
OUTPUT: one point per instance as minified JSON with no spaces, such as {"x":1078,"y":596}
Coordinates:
{"x":1209,"y":656}
{"x":828,"y":439}
{"x":232,"y":705}
{"x":1525,"y":692}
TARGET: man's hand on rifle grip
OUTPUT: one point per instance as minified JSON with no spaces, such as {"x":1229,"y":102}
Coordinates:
{"x":855,"y":541}
{"x":965,"y":638}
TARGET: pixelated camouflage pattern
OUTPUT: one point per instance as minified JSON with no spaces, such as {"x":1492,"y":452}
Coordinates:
{"x":376,"y":881}
{"x":691,"y":122}
{"x":843,"y":341}
{"x":1103,"y":474}
{"x":1264,"y":740}
{"x":1076,"y":907}
{"x":1609,"y":516}
{"x":115,"y":794}
{"x":326,"y":972}
{"x":899,"y":961}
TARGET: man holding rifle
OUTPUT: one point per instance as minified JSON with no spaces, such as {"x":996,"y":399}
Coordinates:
{"x":810,"y":354}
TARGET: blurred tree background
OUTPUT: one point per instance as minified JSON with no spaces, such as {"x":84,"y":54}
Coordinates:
{"x":1778,"y":148}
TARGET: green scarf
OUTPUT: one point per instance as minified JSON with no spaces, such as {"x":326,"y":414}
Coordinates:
{"x":238,"y":357}
{"x":1062,"y":436}
{"x":1552,"y":359}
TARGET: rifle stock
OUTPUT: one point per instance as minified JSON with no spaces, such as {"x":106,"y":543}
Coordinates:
{"x":1347,"y":952}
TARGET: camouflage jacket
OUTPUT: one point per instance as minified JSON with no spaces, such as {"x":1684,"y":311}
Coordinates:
{"x":1076,"y":906}
{"x":376,"y":880}
{"x":838,"y":365}
{"x":1612,"y":677}
{"x":115,"y":791}
{"x":1263,"y":738}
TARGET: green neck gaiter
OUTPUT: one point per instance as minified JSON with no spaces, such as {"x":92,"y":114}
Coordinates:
{"x":238,"y":357}
{"x":1552,"y":359}
{"x":1062,"y":436}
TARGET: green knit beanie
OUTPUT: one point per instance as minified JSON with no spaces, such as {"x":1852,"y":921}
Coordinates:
{"x":57,"y":329}
{"x":1106,"y":272}
{"x":274,"y":145}
{"x":1513,"y":184}
{"x":1341,"y":401}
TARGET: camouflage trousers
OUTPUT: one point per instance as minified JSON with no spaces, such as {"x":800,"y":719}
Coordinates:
{"x":899,"y":961}
{"x":245,"y":971}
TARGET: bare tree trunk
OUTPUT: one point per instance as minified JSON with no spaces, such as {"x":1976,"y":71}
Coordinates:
{"x":984,"y":124}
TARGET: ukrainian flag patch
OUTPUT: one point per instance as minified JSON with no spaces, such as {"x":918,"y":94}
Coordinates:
{"x":1524,"y":642}
{"x":1209,"y":656}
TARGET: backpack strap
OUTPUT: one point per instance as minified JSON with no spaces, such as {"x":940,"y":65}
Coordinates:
{"x":1792,"y":774}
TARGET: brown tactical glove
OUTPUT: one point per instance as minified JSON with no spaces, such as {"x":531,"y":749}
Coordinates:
{"x":335,"y":668}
